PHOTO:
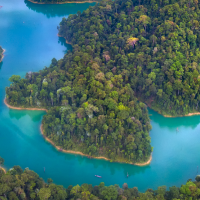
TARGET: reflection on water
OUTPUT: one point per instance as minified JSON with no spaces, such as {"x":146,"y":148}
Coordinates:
{"x":191,"y":121}
{"x":59,"y":10}
{"x":1,"y":63}
{"x":62,"y":42}
{"x":22,"y":127}
{"x":33,"y":115}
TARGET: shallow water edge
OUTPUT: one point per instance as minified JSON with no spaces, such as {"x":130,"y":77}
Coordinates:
{"x":71,"y":151}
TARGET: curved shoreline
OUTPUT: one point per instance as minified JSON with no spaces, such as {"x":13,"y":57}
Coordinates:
{"x":145,"y":163}
{"x":4,"y":170}
{"x":18,"y":108}
{"x":80,"y":153}
{"x":62,"y":2}
{"x":3,"y":55}
{"x":66,"y":41}
{"x":188,"y":115}
{"x":70,"y":151}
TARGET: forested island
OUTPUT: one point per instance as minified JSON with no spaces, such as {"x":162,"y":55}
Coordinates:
{"x":1,"y":53}
{"x":126,"y":55}
{"x":61,"y":1}
{"x":18,"y":184}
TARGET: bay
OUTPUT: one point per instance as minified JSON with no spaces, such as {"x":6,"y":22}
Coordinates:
{"x":28,"y":32}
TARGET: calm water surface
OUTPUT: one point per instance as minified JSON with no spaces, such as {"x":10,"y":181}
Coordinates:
{"x":28,"y":32}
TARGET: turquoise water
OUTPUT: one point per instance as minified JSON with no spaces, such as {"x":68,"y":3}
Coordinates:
{"x":28,"y":32}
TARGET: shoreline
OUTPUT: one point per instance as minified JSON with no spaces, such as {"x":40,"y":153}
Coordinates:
{"x":71,"y":151}
{"x":145,"y":163}
{"x":188,"y":115}
{"x":4,"y":170}
{"x":66,"y":41}
{"x":62,"y":2}
{"x":18,"y":108}
{"x":80,"y":153}
{"x":3,"y":55}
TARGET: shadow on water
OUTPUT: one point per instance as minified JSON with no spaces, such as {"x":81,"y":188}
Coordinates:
{"x":1,"y":63}
{"x":35,"y":117}
{"x":61,"y":41}
{"x":164,"y":122}
{"x":96,"y":163}
{"x":54,"y":10}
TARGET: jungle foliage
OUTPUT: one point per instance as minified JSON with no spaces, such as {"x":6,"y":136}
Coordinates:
{"x":155,"y":44}
{"x":89,"y":110}
{"x":17,"y":184}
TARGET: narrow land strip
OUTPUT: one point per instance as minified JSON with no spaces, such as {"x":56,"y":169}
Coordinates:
{"x":189,"y":114}
{"x":19,"y":108}
{"x":62,"y":2}
{"x":69,"y":151}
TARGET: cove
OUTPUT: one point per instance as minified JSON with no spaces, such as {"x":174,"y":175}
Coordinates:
{"x":29,"y":35}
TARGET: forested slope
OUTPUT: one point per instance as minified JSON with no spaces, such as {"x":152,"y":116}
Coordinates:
{"x":89,"y":111}
{"x":17,"y":184}
{"x":155,"y":44}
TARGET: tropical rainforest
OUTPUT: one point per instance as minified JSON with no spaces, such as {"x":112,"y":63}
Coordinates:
{"x":18,"y":184}
{"x":1,"y":53}
{"x":126,"y":55}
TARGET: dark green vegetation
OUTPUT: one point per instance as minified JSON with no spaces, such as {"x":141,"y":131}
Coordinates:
{"x":17,"y":184}
{"x":121,"y":50}
{"x":89,"y":111}
{"x":1,"y":53}
{"x":155,"y":45}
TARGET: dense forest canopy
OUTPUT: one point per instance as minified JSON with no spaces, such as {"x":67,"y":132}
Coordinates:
{"x":154,"y":43}
{"x":17,"y":184}
{"x":89,"y":111}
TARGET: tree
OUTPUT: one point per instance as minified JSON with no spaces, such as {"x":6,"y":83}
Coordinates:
{"x":109,"y":193}
{"x":144,"y":20}
{"x":75,"y":190}
{"x":44,"y":193}
{"x":132,"y":41}
{"x":15,"y":78}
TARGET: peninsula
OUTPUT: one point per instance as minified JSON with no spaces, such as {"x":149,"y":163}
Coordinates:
{"x":59,"y":148}
{"x":122,"y":51}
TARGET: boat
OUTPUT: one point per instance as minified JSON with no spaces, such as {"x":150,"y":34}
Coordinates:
{"x":127,"y":175}
{"x":98,"y":176}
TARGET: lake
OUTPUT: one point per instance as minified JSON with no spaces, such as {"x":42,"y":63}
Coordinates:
{"x":28,"y":32}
